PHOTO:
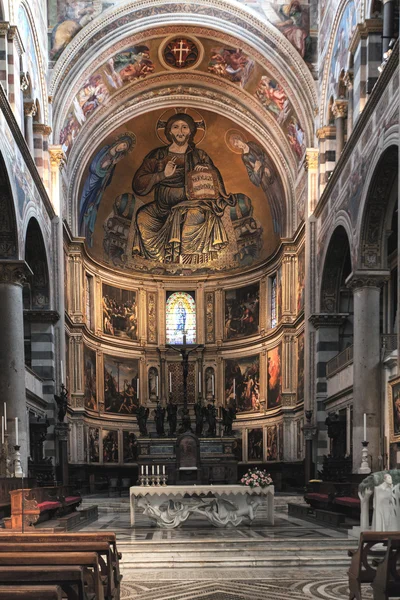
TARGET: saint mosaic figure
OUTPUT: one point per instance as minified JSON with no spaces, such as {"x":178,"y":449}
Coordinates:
{"x":184,"y":221}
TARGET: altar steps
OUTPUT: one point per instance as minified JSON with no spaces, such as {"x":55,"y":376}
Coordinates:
{"x":188,"y":554}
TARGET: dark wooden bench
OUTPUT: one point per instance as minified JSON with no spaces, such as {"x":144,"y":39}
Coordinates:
{"x":69,"y":578}
{"x":104,"y":543}
{"x":386,"y":583}
{"x":362,"y":568}
{"x":87,"y":560}
{"x":101,"y":549}
{"x":27,"y":592}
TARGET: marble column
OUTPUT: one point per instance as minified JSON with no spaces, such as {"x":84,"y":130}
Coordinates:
{"x":388,"y":24}
{"x":348,"y":82}
{"x":12,"y":360}
{"x":29,"y":113}
{"x":339,"y":111}
{"x":367,"y":393}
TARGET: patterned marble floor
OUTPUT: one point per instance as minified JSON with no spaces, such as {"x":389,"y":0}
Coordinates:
{"x":144,"y":548}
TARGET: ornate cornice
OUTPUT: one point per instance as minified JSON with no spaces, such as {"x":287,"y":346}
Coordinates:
{"x":367,"y":279}
{"x":363,"y":30}
{"x":339,"y":109}
{"x":328,"y":319}
{"x":14,"y":272}
{"x":14,"y":35}
{"x":42,"y":316}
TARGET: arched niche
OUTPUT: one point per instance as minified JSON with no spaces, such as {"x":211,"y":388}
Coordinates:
{"x":378,"y":210}
{"x":37,"y":290}
{"x":336,"y":297}
{"x":8,"y":223}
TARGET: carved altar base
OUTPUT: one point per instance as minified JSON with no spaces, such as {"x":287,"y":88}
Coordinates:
{"x":222,"y":505}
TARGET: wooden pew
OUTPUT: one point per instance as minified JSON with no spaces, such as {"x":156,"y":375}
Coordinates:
{"x":69,"y":578}
{"x":387,"y":579}
{"x":27,"y":592}
{"x":92,"y":540}
{"x":87,"y":560}
{"x":362,"y":569}
{"x":102,"y":551}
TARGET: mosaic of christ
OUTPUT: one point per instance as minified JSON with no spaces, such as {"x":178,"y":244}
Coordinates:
{"x":179,"y":189}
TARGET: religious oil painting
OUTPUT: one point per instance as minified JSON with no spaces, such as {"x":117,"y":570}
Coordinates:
{"x":90,"y":393}
{"x":180,"y":191}
{"x":130,"y":446}
{"x":181,"y":317}
{"x":300,"y":368}
{"x":301,"y":275}
{"x":94,"y":448}
{"x":121,"y":385}
{"x":120,"y":312}
{"x":272,"y":442}
{"x":274,"y":377}
{"x":242,"y":383}
{"x":255,"y":445}
{"x":394,"y":409}
{"x":242,"y":307}
{"x":110,"y":446}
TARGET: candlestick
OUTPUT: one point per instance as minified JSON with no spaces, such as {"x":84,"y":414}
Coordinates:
{"x":157,"y":386}
{"x":365,"y":427}
{"x":16,"y":431}
{"x":2,"y":430}
{"x":5,"y":416}
{"x":170,"y":382}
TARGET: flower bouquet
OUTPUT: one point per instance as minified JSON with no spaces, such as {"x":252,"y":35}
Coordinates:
{"x":256,"y":478}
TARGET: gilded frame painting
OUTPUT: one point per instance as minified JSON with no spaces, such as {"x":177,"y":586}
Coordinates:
{"x":394,"y":409}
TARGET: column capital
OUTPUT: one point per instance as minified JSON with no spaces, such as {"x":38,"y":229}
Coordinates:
{"x":329,"y":131}
{"x":328,"y":319}
{"x":311,"y":160}
{"x":24,"y":82}
{"x":339,"y":109}
{"x":366,"y":279}
{"x":14,"y":272}
{"x":4,"y":27}
{"x":42,"y":128}
{"x":57,"y":156}
{"x":348,"y":79}
{"x":29,"y":109}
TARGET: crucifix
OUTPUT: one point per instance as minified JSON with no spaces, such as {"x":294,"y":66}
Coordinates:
{"x":184,"y":352}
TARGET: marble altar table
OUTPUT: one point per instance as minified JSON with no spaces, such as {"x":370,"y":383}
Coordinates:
{"x":222,"y":505}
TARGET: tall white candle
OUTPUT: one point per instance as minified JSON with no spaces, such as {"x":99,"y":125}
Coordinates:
{"x":5,"y":416}
{"x":152,"y":469}
{"x":365,"y":427}
{"x":170,"y":382}
{"x":163,"y":469}
{"x":199,"y":382}
{"x":158,"y":469}
{"x":16,"y":431}
{"x":212,"y":382}
{"x":147,"y":469}
{"x":141,"y":469}
{"x":2,"y":430}
{"x":157,"y":386}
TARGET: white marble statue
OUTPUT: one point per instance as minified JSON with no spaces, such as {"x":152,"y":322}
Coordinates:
{"x":384,"y":517}
{"x":223,"y":513}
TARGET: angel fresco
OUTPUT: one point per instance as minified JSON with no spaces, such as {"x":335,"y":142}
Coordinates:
{"x":184,"y":221}
{"x":231,"y":64}
{"x":101,"y":171}
{"x":262,"y":173}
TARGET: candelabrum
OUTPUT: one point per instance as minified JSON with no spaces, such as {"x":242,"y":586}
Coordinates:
{"x":17,"y":462}
{"x":364,"y":468}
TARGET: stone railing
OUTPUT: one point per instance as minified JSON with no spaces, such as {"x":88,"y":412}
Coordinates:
{"x":339,"y":362}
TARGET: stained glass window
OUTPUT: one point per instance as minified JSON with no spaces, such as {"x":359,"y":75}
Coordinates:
{"x":273,"y":307}
{"x":181,"y":317}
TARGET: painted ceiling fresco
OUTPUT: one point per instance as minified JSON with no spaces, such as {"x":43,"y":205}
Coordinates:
{"x":68,"y":17}
{"x":136,"y":62}
{"x":181,"y":189}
